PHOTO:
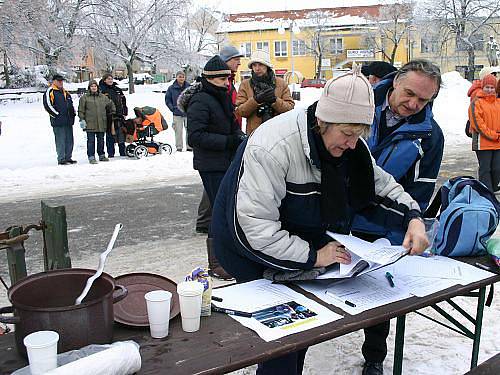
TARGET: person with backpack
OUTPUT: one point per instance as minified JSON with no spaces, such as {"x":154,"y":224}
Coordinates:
{"x":408,"y":143}
{"x":94,"y":109}
{"x":484,"y":118}
{"x":114,"y":133}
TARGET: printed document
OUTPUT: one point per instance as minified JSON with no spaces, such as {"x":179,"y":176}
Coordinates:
{"x":277,"y":310}
{"x":365,"y":256}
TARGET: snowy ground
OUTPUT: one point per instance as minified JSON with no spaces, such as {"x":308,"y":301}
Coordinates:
{"x":28,"y":170}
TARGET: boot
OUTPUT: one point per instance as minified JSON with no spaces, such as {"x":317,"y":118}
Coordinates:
{"x":215,"y":269}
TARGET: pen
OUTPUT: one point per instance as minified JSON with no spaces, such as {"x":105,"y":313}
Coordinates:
{"x":348,"y":303}
{"x":218,"y":299}
{"x":389,"y":278}
{"x":231,"y":312}
{"x":484,"y":267}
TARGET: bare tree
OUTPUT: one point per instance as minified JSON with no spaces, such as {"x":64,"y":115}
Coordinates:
{"x":465,"y":22}
{"x":7,"y":25}
{"x":318,"y":46}
{"x":47,"y":27}
{"x":128,"y":29}
{"x":389,"y":28}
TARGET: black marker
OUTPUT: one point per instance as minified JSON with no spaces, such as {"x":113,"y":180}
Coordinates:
{"x":218,"y":299}
{"x":231,"y":312}
{"x":349,"y":303}
{"x":484,"y":267}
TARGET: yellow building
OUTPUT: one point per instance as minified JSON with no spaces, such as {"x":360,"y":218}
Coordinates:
{"x":293,"y":39}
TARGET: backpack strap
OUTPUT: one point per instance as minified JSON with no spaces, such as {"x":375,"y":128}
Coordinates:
{"x":433,"y":208}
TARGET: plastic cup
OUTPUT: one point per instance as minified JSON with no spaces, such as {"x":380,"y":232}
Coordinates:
{"x":42,"y":351}
{"x":158,"y":305}
{"x":190,"y":293}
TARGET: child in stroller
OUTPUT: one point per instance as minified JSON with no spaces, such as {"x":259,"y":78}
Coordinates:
{"x":140,"y":131}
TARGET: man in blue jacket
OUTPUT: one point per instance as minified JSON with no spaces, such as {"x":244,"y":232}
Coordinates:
{"x":59,"y":105}
{"x":179,"y":122}
{"x":408,"y":143}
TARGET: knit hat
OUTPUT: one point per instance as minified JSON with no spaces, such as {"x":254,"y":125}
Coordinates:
{"x":489,"y":79}
{"x":380,"y":69}
{"x":228,"y":52}
{"x":347,"y":99}
{"x":93,"y":82}
{"x":260,"y":56}
{"x":215,"y":67}
{"x":57,"y":77}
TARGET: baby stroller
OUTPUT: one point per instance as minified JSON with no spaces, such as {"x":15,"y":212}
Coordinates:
{"x":141,"y":130}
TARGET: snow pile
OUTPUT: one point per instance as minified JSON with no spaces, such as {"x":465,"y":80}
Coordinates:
{"x":451,"y":106}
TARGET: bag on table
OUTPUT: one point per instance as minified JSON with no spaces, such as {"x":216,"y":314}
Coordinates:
{"x":469,"y":214}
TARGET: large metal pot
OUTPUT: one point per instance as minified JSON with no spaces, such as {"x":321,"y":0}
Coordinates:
{"x":45,"y":301}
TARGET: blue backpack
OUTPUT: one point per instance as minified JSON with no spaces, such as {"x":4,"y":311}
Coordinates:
{"x":469,"y":215}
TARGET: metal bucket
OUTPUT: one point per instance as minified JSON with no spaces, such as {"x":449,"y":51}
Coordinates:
{"x":45,"y":301}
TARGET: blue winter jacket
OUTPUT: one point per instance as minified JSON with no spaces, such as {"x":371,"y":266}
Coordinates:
{"x":171,"y":96}
{"x":59,"y":106}
{"x":412,"y":154}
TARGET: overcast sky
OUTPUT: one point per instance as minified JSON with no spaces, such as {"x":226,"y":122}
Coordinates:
{"x":241,"y":6}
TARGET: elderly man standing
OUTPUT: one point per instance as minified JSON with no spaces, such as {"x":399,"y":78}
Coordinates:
{"x":179,"y":122}
{"x":59,"y":105}
{"x":263,"y":96}
{"x":406,"y":142}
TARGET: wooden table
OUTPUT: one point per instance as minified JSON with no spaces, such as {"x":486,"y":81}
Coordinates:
{"x":222,"y":344}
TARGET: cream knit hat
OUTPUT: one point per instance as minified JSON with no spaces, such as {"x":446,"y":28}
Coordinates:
{"x":260,"y":56}
{"x":347,"y":99}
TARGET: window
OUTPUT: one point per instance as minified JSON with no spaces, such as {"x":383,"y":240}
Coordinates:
{"x":429,"y":45}
{"x":246,"y":49}
{"x":264,"y":46}
{"x":336,"y":45}
{"x":280,"y":48}
{"x":476,"y":40}
{"x":298,"y":47}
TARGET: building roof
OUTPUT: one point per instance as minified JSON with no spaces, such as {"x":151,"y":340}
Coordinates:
{"x":330,"y":17}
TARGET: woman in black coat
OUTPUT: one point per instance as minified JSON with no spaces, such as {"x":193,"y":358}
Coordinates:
{"x":213,"y":133}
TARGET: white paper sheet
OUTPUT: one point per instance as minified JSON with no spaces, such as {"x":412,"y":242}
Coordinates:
{"x":278,"y":310}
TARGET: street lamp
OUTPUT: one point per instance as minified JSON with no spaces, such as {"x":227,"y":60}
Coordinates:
{"x":294,"y":30}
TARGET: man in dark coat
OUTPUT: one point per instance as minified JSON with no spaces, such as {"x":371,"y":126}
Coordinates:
{"x":59,"y":105}
{"x":114,"y":133}
{"x":179,"y":121}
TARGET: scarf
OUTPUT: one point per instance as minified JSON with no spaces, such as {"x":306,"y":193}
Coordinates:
{"x":260,"y":84}
{"x":347,"y":182}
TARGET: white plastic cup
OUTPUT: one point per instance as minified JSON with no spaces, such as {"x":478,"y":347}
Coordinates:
{"x":190,"y":293}
{"x":42,"y":351}
{"x":158,"y":305}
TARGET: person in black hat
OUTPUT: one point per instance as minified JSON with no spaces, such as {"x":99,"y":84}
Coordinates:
{"x":59,"y":105}
{"x":378,"y":70}
{"x":213,"y":133}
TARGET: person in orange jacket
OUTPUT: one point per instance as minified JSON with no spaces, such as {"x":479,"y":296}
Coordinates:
{"x":484,"y":117}
{"x":476,"y":84}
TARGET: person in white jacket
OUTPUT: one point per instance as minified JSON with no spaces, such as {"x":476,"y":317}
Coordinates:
{"x":300,"y":174}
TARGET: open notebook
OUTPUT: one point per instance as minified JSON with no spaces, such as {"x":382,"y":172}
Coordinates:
{"x":365,"y":256}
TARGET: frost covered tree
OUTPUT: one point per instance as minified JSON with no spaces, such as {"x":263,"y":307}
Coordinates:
{"x":128,"y":29}
{"x":7,"y":25}
{"x":318,"y":44}
{"x":389,"y":28}
{"x":467,"y":23}
{"x":47,"y":27}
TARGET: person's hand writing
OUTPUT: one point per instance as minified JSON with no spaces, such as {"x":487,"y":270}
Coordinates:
{"x":333,"y":252}
{"x":416,"y":239}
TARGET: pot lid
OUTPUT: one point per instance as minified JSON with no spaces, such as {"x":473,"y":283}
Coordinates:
{"x":132,"y":309}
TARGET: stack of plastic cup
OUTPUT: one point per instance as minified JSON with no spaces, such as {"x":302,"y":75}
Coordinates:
{"x":158,"y":304}
{"x":42,"y":351}
{"x":190,"y":293}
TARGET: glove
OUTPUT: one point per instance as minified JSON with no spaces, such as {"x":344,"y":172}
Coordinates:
{"x":83,"y":124}
{"x":233,"y":141}
{"x":266,"y":96}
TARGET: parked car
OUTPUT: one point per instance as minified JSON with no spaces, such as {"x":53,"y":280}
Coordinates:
{"x":318,"y":83}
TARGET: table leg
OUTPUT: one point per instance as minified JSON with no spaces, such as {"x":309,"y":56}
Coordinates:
{"x":478,"y":326}
{"x":399,"y":345}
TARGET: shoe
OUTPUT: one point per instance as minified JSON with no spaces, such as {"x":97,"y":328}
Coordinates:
{"x":63,"y":162}
{"x":190,"y":150}
{"x":111,"y":156}
{"x":373,"y":368}
{"x":203,"y":230}
{"x":179,"y":150}
{"x":103,"y":158}
{"x":71,"y":161}
{"x":220,"y":273}
{"x":214,"y":268}
{"x":92,"y":161}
